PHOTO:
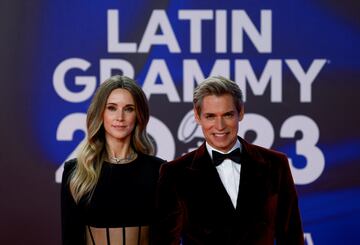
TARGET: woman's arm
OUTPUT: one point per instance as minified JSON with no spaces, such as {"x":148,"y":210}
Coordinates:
{"x":73,"y":228}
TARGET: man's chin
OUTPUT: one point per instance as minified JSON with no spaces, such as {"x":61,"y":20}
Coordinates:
{"x":221,"y":147}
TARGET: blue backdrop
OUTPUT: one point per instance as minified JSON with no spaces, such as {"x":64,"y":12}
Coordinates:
{"x":296,"y":61}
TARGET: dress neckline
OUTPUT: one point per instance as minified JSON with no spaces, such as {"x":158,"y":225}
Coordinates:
{"x":134,"y":162}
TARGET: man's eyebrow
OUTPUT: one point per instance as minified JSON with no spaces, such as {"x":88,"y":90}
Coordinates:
{"x":229,"y":112}
{"x":225,"y":113}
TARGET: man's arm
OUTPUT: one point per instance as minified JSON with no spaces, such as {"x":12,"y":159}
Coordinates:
{"x":289,"y":227}
{"x":169,"y":220}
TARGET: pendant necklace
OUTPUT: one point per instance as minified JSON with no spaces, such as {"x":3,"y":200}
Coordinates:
{"x":127,"y":159}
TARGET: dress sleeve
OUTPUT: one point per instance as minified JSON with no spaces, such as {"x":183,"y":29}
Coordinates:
{"x":289,"y":226}
{"x":73,"y":228}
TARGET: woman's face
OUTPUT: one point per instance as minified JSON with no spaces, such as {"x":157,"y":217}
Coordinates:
{"x":119,"y":116}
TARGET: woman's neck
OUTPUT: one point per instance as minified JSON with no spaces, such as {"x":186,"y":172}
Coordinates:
{"x":117,"y":148}
{"x":120,"y":152}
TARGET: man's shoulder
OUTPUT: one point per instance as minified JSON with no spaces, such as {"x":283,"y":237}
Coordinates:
{"x":266,"y":151}
{"x":183,"y":160}
{"x":180,"y":163}
{"x":263,"y":154}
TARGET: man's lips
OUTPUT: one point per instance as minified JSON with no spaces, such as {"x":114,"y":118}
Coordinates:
{"x":220,"y":134}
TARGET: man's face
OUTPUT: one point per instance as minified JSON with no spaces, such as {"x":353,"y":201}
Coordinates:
{"x":219,"y":121}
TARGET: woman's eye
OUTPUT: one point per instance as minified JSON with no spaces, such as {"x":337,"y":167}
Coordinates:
{"x":129,"y":109}
{"x":111,"y":108}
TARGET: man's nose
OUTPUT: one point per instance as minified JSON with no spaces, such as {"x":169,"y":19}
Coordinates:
{"x":219,"y":123}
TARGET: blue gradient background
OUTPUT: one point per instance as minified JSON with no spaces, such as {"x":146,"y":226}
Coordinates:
{"x":45,"y":33}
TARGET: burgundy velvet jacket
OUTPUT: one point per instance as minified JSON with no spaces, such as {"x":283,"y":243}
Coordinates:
{"x":194,"y":207}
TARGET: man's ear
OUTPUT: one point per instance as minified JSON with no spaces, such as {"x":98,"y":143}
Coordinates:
{"x":196,"y":115}
{"x":241,"y":113}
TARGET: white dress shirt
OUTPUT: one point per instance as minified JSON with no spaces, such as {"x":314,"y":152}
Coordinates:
{"x":229,"y":173}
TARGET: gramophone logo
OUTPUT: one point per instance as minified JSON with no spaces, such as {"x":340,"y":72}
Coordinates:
{"x":190,"y":130}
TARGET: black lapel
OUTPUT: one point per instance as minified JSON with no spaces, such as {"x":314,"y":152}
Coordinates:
{"x":254,"y":169}
{"x":203,"y":171}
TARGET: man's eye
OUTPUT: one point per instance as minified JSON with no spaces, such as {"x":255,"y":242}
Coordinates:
{"x":229,"y":115}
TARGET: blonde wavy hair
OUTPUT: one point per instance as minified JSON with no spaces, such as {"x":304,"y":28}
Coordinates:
{"x":93,"y":152}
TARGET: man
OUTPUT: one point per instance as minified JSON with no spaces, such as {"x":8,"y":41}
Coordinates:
{"x":245,"y":197}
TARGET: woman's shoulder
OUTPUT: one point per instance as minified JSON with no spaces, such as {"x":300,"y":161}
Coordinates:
{"x":154,"y":160}
{"x":69,"y":166}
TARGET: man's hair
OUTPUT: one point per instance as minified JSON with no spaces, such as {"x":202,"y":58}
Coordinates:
{"x":217,"y":85}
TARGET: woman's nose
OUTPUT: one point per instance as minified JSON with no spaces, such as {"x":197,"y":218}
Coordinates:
{"x":120,"y":115}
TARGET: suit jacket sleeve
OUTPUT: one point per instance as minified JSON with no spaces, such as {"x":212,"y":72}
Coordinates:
{"x":73,"y":229}
{"x":170,"y":211}
{"x":289,"y":228}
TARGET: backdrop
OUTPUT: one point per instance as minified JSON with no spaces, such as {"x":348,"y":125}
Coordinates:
{"x":296,"y":61}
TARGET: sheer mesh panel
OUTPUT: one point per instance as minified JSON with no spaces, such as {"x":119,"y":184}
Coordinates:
{"x":138,"y":235}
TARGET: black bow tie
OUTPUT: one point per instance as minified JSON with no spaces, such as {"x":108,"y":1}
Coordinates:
{"x":218,"y":157}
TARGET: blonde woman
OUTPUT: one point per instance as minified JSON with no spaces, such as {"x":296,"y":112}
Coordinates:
{"x":108,"y":191}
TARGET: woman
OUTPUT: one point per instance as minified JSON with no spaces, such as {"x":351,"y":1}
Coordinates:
{"x":108,"y":191}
